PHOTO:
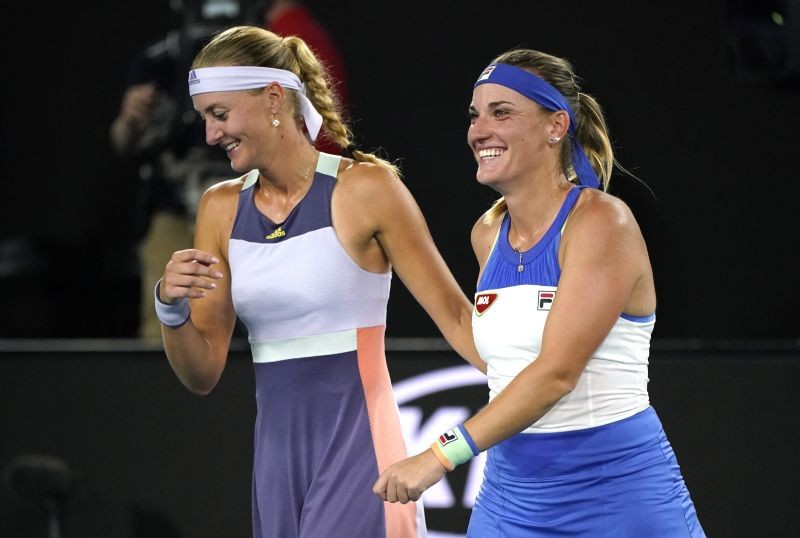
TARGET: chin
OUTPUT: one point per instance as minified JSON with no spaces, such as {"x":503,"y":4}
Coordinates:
{"x":485,"y":178}
{"x":491,"y":181}
{"x":239,"y":168}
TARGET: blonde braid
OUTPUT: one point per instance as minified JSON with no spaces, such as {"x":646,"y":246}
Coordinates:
{"x":321,"y":95}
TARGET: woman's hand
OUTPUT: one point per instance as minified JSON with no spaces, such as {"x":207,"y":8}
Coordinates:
{"x":184,"y":275}
{"x":406,"y":480}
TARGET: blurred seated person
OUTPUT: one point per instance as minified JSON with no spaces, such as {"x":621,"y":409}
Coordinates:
{"x":160,"y":141}
{"x":289,"y":17}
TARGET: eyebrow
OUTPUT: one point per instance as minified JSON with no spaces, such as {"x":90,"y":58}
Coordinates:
{"x":493,"y":105}
{"x":210,"y":108}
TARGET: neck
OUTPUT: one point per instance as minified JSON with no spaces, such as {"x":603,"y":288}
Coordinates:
{"x":279,"y":192}
{"x":533,"y":208}
{"x":290,"y":168}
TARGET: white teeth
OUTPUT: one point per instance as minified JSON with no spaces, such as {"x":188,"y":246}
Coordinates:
{"x":491,"y":152}
{"x":231,"y":146}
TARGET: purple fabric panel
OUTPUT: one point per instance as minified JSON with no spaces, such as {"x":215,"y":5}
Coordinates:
{"x":314,"y":462}
{"x":311,"y":213}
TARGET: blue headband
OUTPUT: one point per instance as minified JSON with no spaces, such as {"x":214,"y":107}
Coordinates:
{"x":537,"y":89}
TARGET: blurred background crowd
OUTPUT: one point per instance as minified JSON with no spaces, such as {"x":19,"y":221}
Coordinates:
{"x":103,"y":158}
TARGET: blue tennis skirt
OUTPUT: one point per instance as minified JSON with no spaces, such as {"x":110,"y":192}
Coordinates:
{"x":618,"y":480}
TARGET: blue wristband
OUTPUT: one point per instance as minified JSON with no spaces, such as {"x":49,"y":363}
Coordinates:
{"x":468,"y":439}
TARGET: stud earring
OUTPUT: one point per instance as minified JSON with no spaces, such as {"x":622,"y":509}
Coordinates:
{"x":554,"y":139}
{"x":275,"y":121}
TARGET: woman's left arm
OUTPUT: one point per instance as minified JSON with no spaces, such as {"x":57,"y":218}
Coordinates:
{"x":601,"y":262}
{"x":400,"y":229}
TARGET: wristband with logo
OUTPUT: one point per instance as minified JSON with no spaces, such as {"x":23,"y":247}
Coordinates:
{"x":454,"y":447}
{"x":172,"y":315}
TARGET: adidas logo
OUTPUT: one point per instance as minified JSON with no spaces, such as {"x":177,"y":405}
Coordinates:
{"x":276,"y":234}
{"x":193,"y":78}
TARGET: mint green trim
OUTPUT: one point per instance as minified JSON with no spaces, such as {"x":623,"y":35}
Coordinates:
{"x":328,"y":164}
{"x":305,"y":346}
{"x":458,"y":450}
{"x":250,"y":179}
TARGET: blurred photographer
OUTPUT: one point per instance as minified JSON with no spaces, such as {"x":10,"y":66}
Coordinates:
{"x":161,"y":143}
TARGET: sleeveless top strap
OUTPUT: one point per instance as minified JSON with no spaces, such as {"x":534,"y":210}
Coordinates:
{"x":328,"y":164}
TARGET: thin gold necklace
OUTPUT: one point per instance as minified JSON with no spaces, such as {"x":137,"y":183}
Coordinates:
{"x":518,"y":246}
{"x":308,"y":168}
{"x":305,"y":180}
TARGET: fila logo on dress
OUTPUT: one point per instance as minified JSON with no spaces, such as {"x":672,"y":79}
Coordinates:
{"x":484,"y":301}
{"x":545,"y":300}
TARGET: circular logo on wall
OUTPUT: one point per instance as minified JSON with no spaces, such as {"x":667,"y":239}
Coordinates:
{"x":431,"y":403}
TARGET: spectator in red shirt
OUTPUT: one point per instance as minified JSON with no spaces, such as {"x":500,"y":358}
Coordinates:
{"x":288,"y":17}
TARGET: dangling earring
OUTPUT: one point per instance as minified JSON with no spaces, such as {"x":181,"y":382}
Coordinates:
{"x":275,"y":120}
{"x":554,"y":139}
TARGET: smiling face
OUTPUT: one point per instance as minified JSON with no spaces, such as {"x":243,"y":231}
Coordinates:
{"x":239,"y":123}
{"x":507,"y":134}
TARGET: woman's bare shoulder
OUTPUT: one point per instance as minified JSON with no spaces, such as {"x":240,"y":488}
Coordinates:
{"x":484,"y":232}
{"x":218,"y":203}
{"x":599,"y":212}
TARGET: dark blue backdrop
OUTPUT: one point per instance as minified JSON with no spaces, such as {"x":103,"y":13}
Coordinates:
{"x":716,"y":148}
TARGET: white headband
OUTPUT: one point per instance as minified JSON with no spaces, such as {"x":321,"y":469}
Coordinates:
{"x":234,"y":78}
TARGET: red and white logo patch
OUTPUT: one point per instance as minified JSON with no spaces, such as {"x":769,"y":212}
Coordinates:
{"x":486,"y":72}
{"x":545,"y":300}
{"x":484,"y":301}
{"x":448,"y":437}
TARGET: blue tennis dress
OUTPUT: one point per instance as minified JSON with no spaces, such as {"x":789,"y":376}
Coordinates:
{"x":597,"y":464}
{"x":327,"y":421}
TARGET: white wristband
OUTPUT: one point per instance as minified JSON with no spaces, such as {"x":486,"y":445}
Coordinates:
{"x":172,"y":315}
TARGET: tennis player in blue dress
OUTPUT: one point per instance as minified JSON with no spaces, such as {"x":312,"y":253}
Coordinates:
{"x":563,"y":315}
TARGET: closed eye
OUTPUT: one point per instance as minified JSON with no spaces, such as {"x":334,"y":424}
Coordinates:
{"x":215,"y":113}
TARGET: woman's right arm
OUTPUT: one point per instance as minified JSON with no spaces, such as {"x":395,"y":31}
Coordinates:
{"x":198,"y":349}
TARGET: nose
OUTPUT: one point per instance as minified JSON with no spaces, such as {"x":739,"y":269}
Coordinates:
{"x":478,"y":130}
{"x":213,"y":132}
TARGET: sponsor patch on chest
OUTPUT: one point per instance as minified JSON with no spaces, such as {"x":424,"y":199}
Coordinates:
{"x":545,"y":300}
{"x":484,"y":301}
{"x":279,"y":232}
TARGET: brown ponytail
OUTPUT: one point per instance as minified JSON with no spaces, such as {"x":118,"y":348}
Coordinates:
{"x":592,"y":132}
